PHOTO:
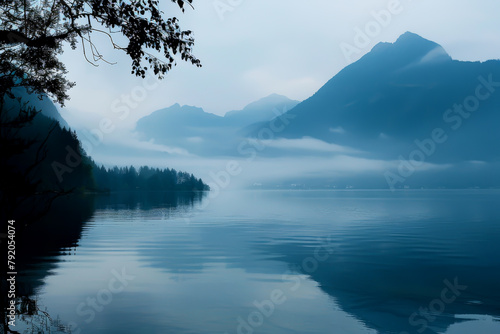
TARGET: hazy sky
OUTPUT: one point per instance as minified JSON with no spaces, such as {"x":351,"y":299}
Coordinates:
{"x":252,"y":48}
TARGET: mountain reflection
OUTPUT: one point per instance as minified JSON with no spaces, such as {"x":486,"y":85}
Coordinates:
{"x":390,"y":254}
{"x":60,"y":231}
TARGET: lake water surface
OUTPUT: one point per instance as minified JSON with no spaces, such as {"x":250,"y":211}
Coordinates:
{"x":277,"y":262}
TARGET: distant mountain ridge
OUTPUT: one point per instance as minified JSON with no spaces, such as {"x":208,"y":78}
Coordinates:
{"x":203,"y":133}
{"x":262,"y":110}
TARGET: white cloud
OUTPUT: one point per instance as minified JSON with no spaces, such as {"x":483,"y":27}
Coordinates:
{"x":435,"y":55}
{"x":152,"y":146}
{"x":339,"y":130}
{"x":195,"y":140}
{"x":308,"y":144}
{"x":477,"y":162}
{"x":383,"y":136}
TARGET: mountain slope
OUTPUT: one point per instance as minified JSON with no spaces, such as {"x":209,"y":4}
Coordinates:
{"x":399,"y":93}
{"x":44,"y":105}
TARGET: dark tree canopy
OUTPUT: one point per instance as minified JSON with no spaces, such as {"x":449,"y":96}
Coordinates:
{"x":32,"y":34}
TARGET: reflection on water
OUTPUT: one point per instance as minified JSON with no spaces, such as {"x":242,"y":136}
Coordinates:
{"x":275,"y":262}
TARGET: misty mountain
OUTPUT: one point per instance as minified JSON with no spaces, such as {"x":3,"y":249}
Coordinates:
{"x":44,"y":105}
{"x":399,"y":93}
{"x":405,"y":114}
{"x":260,"y":111}
{"x":202,"y":133}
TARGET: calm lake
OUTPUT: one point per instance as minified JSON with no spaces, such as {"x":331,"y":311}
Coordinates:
{"x":275,"y":262}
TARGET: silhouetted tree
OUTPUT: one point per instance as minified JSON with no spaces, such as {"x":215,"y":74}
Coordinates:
{"x":32,"y":34}
{"x":33,"y":146}
{"x":128,"y":178}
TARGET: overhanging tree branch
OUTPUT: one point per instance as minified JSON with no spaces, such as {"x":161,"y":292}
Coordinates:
{"x":31,"y":39}
{"x":16,"y":37}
